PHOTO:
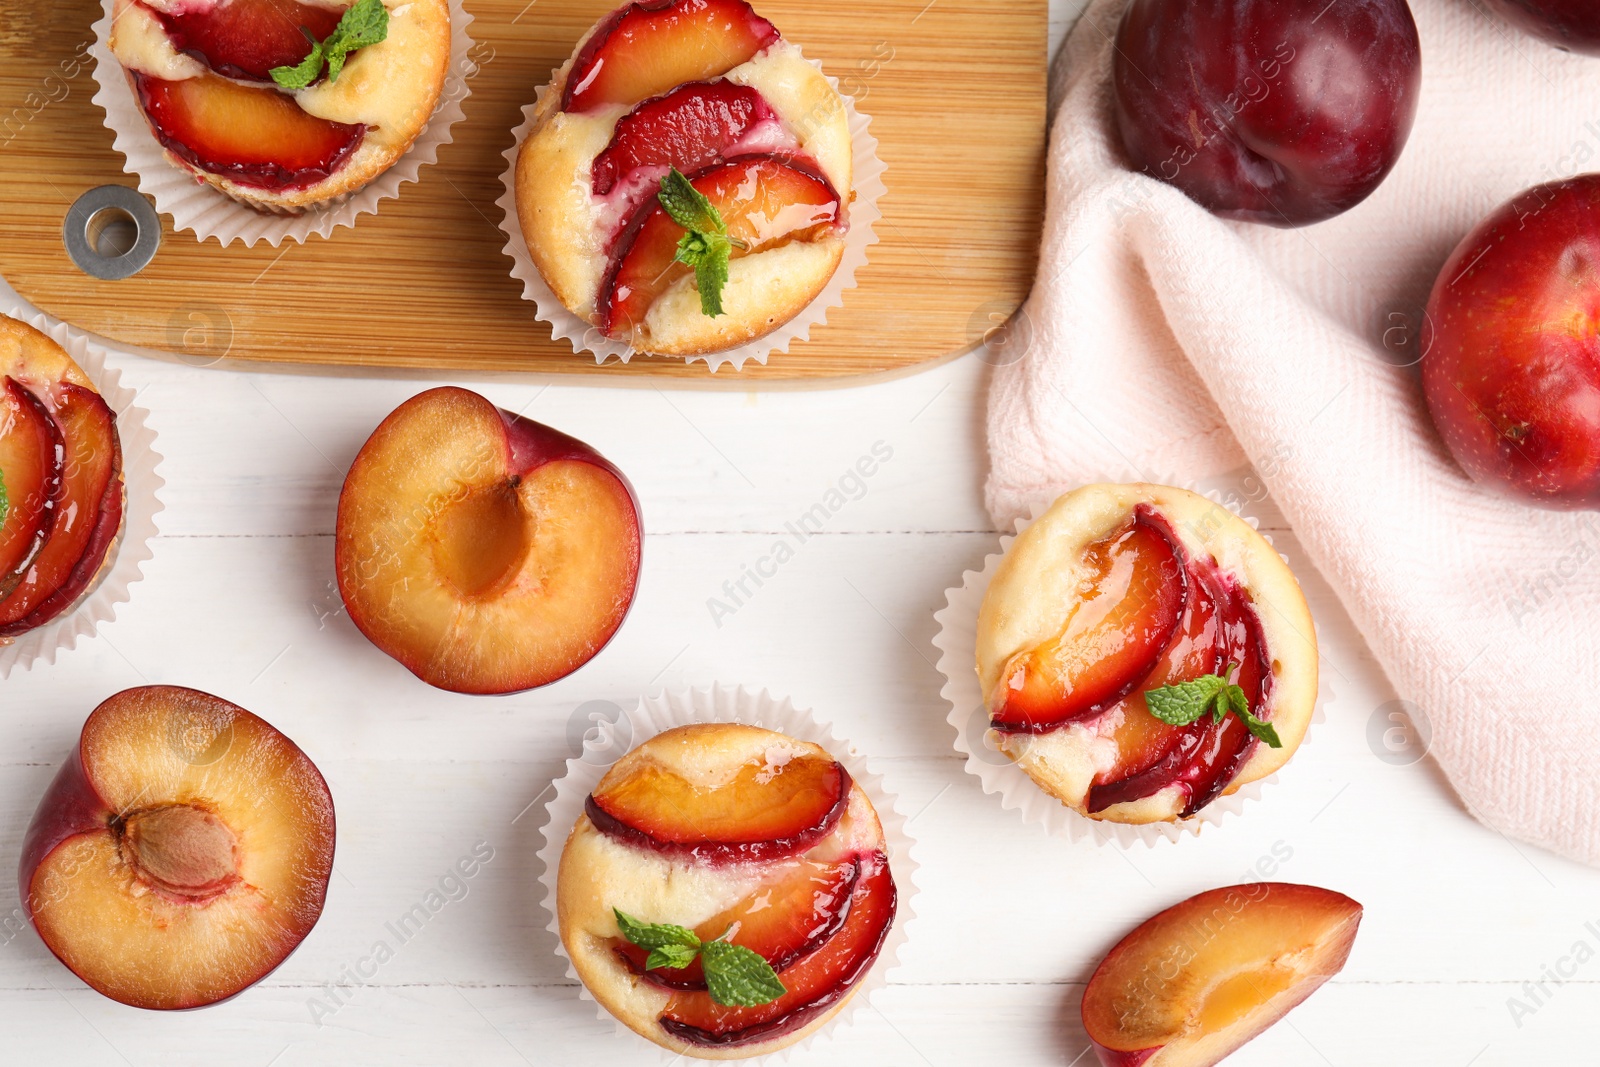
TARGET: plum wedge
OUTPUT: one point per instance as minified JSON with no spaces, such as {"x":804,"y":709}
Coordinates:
{"x":32,"y":479}
{"x":646,"y":48}
{"x":254,"y":136}
{"x":814,"y":984}
{"x":787,"y":918}
{"x":689,"y":128}
{"x":1191,"y":985}
{"x":246,"y":39}
{"x":765,"y":201}
{"x":89,"y":514}
{"x":764,"y":812}
{"x":1114,"y":637}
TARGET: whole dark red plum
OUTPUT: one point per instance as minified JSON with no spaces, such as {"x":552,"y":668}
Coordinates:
{"x":1285,"y":112}
{"x":1570,"y":24}
{"x":1512,"y":375}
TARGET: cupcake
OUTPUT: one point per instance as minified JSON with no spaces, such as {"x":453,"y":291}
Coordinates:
{"x":725,"y":891}
{"x":284,"y":105}
{"x":686,"y":184}
{"x":61,"y":486}
{"x":1143,"y":651}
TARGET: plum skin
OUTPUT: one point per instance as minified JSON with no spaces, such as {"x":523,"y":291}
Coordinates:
{"x":1570,"y":24}
{"x":1512,"y":377}
{"x":1284,"y":112}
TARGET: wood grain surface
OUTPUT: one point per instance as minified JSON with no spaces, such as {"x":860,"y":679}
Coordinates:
{"x":956,"y":90}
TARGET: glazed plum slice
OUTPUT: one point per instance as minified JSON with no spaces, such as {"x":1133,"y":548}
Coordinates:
{"x":646,"y":48}
{"x":764,"y":200}
{"x":1205,"y":756}
{"x":690,"y":128}
{"x":814,"y":983}
{"x":766,"y":811}
{"x":786,"y":919}
{"x":257,"y":137}
{"x":245,"y":39}
{"x":32,"y":468}
{"x":1134,"y":600}
{"x":88,"y":517}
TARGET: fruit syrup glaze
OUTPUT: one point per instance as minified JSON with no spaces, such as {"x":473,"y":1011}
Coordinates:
{"x":820,"y":922}
{"x":233,"y":122}
{"x":1151,"y":615}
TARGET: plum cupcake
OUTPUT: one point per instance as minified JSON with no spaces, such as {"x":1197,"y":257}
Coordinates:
{"x":725,"y":890}
{"x":62,"y":497}
{"x":305,"y":111}
{"x":78,"y":487}
{"x":686,"y":185}
{"x":1142,"y":652}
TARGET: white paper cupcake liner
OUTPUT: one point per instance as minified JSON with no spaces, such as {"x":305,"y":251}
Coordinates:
{"x":866,"y":176}
{"x":612,"y":740}
{"x":141,"y":484}
{"x":957,"y":642}
{"x":211,"y":213}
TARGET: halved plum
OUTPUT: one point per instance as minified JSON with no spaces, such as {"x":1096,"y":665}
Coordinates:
{"x":88,"y":517}
{"x":781,"y":922}
{"x":1116,"y":635}
{"x":814,"y":983}
{"x":247,"y":38}
{"x":646,"y":48}
{"x":765,"y":812}
{"x":32,"y":469}
{"x":690,"y":128}
{"x":765,"y":201}
{"x":257,"y":137}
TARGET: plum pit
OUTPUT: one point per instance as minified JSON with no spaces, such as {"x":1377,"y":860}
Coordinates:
{"x":180,"y":850}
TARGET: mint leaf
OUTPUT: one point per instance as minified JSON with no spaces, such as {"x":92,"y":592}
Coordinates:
{"x":5,"y":501}
{"x":735,"y":976}
{"x":655,"y":936}
{"x":1182,"y":704}
{"x":366,"y":23}
{"x":706,"y":247}
{"x":303,"y":73}
{"x":709,"y":255}
{"x":1261,"y":729}
{"x":688,"y":206}
{"x":739,"y":977}
{"x":674,"y":957}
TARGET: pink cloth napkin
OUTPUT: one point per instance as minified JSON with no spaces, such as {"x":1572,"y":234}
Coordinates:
{"x":1168,"y":343}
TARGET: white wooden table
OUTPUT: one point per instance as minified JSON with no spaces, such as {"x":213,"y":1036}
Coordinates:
{"x":239,"y":601}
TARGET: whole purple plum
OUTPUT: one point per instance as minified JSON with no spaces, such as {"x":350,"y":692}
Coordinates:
{"x":1570,"y":24}
{"x":1285,"y":112}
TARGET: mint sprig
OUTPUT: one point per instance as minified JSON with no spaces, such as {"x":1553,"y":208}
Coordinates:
{"x":364,"y":24}
{"x":735,"y":976}
{"x":1182,"y":704}
{"x":706,"y":247}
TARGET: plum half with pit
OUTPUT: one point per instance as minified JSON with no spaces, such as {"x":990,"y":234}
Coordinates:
{"x":1285,"y":112}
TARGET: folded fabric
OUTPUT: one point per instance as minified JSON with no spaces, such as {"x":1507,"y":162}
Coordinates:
{"x":1168,"y":343}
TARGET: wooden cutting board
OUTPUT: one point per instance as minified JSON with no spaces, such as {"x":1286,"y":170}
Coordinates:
{"x":955,"y":88}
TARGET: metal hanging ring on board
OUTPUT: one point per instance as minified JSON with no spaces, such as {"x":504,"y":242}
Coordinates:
{"x":85,"y":227}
